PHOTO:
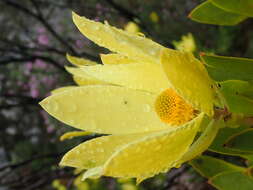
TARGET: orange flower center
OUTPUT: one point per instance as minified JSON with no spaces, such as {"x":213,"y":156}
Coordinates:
{"x":172,"y":109}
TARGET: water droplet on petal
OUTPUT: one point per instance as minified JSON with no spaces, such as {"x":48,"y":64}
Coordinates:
{"x":147,"y":108}
{"x":71,"y":122}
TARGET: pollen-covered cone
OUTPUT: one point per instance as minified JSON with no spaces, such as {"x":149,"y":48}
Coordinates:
{"x":152,"y":116}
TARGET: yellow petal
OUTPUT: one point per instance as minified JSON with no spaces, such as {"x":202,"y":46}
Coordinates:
{"x":95,"y":152}
{"x":189,"y":78}
{"x":105,"y":109}
{"x":72,"y":134}
{"x":114,"y":58}
{"x":204,"y":141}
{"x":93,"y":173}
{"x":142,"y":76}
{"x":77,"y":61}
{"x":62,"y":89}
{"x":117,"y":40}
{"x":82,"y":78}
{"x":155,"y":153}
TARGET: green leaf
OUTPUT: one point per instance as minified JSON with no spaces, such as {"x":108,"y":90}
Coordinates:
{"x":237,"y":6}
{"x":222,"y":68}
{"x":221,"y":139}
{"x":238,"y":96}
{"x":208,"y":166}
{"x":232,"y":181}
{"x":242,"y":141}
{"x":208,"y":13}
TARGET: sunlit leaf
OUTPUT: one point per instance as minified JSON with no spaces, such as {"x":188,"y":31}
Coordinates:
{"x":243,"y":7}
{"x":208,"y":13}
{"x":238,"y":96}
{"x":241,"y":141}
{"x":232,"y":181}
{"x":208,"y":166}
{"x":219,"y":142}
{"x":222,"y":68}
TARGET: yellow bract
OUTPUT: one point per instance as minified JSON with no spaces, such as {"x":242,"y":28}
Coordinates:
{"x":72,"y":134}
{"x":114,"y":58}
{"x":105,"y":109}
{"x":119,"y":41}
{"x":82,"y":78}
{"x":189,"y":79}
{"x":77,"y":61}
{"x":143,"y":76}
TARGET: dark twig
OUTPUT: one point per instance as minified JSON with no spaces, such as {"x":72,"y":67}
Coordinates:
{"x":129,"y":15}
{"x":41,"y":19}
{"x":38,"y":157}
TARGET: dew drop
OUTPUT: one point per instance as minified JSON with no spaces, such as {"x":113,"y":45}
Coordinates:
{"x":72,"y":122}
{"x":96,"y":27}
{"x":141,"y":34}
{"x":152,"y":52}
{"x":147,"y":108}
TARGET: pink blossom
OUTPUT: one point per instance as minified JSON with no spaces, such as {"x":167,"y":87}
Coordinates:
{"x":50,"y":129}
{"x":79,"y":43}
{"x":34,"y":92}
{"x":97,"y":19}
{"x":43,"y":39}
{"x":28,"y":67}
{"x":41,"y":30}
{"x":48,"y":81}
{"x":40,"y":64}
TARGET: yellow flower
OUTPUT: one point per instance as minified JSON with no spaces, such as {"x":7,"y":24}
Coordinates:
{"x":132,"y":27}
{"x":154,"y":17}
{"x":187,"y":43}
{"x":150,"y":99}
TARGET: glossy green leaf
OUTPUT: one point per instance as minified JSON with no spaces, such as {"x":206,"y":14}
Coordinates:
{"x":221,"y":139}
{"x":242,"y":141}
{"x":222,"y":68}
{"x":232,"y":181}
{"x":238,"y":96}
{"x":208,"y":13}
{"x":208,"y":166}
{"x":237,"y":6}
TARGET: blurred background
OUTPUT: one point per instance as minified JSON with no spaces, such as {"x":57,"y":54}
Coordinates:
{"x":35,"y":36}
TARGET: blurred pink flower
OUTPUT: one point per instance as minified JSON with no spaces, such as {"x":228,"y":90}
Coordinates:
{"x":50,"y":129}
{"x":97,"y":19}
{"x":34,"y":92}
{"x":28,"y":67}
{"x":79,"y":43}
{"x":48,"y":81}
{"x":40,"y":64}
{"x":43,"y":39}
{"x":41,"y":30}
